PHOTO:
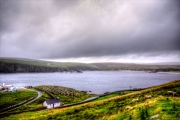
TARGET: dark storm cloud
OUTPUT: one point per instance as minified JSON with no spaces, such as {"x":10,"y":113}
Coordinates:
{"x":72,"y":29}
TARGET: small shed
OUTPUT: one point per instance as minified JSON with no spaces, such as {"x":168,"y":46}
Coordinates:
{"x":52,"y":103}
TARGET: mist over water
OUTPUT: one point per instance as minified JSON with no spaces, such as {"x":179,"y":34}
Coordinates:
{"x":97,"y":82}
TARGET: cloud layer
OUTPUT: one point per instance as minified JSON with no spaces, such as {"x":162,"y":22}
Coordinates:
{"x":85,"y":28}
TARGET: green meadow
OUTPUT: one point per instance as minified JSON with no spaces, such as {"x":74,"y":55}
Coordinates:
{"x":34,"y":106}
{"x":161,"y":105}
{"x":66,"y":95}
{"x":11,"y":98}
{"x":114,"y":94}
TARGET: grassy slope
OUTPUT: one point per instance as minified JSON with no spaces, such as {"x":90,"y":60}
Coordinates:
{"x":46,"y":63}
{"x":112,"y":95}
{"x":11,"y":98}
{"x":120,"y":107}
{"x":66,"y":95}
{"x":62,"y":92}
{"x":95,"y":66}
{"x":34,"y":106}
{"x":165,"y":107}
{"x":125,"y":66}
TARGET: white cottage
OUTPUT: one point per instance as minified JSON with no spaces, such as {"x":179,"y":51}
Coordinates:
{"x":52,"y":103}
{"x":12,"y":89}
{"x":8,"y":88}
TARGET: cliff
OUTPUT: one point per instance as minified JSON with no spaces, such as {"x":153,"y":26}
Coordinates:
{"x":20,"y":68}
{"x":29,"y":65}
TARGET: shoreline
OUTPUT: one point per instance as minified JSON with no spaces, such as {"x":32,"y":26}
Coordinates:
{"x":170,"y":72}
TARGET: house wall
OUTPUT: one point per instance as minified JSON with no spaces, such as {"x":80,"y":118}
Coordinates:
{"x":44,"y":104}
{"x":51,"y":105}
{"x":57,"y":104}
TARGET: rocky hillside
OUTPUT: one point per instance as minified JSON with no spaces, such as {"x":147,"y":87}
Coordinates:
{"x":19,"y":66}
{"x":9,"y":65}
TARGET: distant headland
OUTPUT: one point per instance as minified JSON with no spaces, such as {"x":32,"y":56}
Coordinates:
{"x":19,"y":65}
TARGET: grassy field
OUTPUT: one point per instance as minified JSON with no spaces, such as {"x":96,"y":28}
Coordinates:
{"x":119,"y":107}
{"x":34,"y":106}
{"x":112,"y":95}
{"x":10,"y":98}
{"x":66,"y":95}
{"x":164,"y":107}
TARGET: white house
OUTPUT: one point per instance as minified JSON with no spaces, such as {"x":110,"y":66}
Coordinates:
{"x":12,"y":89}
{"x":52,"y":103}
{"x":9,"y":88}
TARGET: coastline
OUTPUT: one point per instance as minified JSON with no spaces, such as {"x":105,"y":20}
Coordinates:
{"x":170,"y":72}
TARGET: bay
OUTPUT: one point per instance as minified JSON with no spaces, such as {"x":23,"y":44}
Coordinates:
{"x":97,"y":82}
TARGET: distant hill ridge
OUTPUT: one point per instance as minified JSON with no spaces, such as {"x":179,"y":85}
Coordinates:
{"x":15,"y":65}
{"x":26,"y":65}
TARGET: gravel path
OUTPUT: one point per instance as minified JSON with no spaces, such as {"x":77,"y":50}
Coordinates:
{"x":39,"y":95}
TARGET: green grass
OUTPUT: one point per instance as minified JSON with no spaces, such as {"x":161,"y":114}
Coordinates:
{"x":112,"y":95}
{"x":119,"y":107}
{"x":47,"y":63}
{"x":34,"y":106}
{"x":10,"y":98}
{"x":139,"y":67}
{"x":165,"y":107}
{"x":92,"y":66}
{"x":66,"y":95}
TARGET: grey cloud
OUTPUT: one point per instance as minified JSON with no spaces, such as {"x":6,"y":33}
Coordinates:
{"x":72,"y":29}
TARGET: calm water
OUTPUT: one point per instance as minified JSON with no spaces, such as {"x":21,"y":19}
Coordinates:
{"x":96,"y":81}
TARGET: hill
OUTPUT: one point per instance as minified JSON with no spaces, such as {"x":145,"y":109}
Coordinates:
{"x":137,"y":67}
{"x":12,"y":98}
{"x":9,"y":65}
{"x":66,"y":95}
{"x":161,"y":105}
{"x":18,"y":65}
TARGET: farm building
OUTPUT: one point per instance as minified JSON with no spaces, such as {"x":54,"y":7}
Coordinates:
{"x":12,"y":89}
{"x":8,"y":88}
{"x":52,"y":103}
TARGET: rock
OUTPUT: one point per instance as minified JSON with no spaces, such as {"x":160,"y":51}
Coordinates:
{"x":154,"y":116}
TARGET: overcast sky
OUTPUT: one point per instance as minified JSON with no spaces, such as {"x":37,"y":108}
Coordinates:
{"x":91,"y":30}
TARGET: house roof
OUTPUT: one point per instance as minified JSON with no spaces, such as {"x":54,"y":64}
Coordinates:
{"x":52,"y":101}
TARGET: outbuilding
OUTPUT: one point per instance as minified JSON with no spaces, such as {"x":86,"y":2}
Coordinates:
{"x":52,"y":103}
